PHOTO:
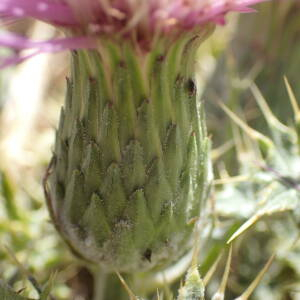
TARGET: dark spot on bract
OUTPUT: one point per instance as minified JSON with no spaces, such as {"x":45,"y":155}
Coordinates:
{"x":92,"y":79}
{"x":160,"y":58}
{"x":122,"y":64}
{"x":179,"y":78}
{"x":191,"y":87}
{"x":147,"y":254}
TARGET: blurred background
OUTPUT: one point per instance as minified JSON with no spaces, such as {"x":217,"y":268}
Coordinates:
{"x":256,"y":175}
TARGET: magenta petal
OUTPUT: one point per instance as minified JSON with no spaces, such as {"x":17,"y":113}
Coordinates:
{"x":54,"y":45}
{"x":19,"y":43}
{"x":62,"y":44}
{"x":15,"y":59}
{"x":46,"y":10}
{"x":15,"y":42}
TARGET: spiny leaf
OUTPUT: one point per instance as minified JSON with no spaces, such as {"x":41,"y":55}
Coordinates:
{"x":7,"y":294}
{"x":285,"y":201}
{"x":193,"y":288}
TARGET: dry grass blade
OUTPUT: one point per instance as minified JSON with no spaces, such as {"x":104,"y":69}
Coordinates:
{"x":218,"y":152}
{"x":211,"y":270}
{"x":293,"y":100}
{"x":256,"y":281}
{"x":243,"y":228}
{"x":127,"y":288}
{"x":267,"y":112}
{"x":231,"y":180}
{"x":158,"y":295}
{"x":247,"y":129}
{"x":220,"y":294}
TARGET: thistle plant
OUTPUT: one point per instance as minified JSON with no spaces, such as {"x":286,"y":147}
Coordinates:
{"x":265,"y":195}
{"x":130,"y":174}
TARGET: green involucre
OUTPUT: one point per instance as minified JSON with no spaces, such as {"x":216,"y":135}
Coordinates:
{"x":130,"y":165}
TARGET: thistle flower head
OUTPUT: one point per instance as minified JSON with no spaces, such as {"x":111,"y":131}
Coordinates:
{"x":142,"y":21}
{"x":115,"y":15}
{"x":130,"y":171}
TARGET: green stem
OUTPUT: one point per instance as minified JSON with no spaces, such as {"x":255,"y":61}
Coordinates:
{"x":107,"y":286}
{"x":100,"y":282}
